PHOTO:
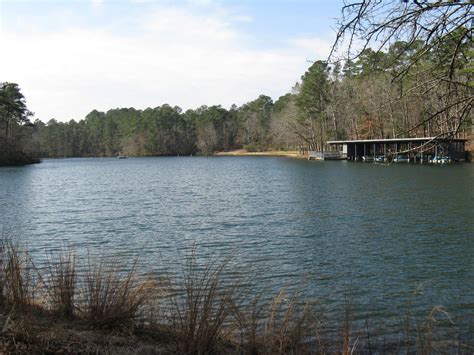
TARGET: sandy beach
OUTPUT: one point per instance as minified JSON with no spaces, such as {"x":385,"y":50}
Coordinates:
{"x":271,"y":153}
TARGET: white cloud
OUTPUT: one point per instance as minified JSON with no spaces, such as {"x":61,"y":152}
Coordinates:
{"x":180,"y":57}
{"x":201,"y":2}
{"x":242,"y":18}
{"x":317,"y":46}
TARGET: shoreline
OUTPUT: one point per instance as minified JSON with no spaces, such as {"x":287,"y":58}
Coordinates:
{"x":270,"y":153}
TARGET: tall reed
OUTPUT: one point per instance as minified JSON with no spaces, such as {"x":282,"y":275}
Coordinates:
{"x":16,"y":277}
{"x":111,"y":296}
{"x":60,"y":282}
{"x":201,"y":311}
{"x":201,"y":305}
{"x":284,"y":324}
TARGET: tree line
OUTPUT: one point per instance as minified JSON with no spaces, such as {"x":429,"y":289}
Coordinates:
{"x":359,"y":100}
{"x":419,"y":86}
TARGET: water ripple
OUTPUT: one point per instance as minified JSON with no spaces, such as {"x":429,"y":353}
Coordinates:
{"x":374,"y":232}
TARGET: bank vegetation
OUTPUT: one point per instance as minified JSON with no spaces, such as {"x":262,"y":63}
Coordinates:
{"x":398,"y":69}
{"x":104,"y":305}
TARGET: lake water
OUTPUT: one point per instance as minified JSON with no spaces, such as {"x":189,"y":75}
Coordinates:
{"x":387,"y":236}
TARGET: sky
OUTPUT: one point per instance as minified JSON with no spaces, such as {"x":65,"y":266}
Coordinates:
{"x":71,"y":57}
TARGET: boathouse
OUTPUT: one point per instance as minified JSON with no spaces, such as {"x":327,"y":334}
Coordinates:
{"x":401,"y":149}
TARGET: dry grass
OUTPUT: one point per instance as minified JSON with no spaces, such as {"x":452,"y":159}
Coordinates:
{"x":16,"y":278}
{"x":108,"y":308}
{"x":60,"y":283}
{"x":111,"y":296}
{"x":348,"y":345}
{"x":201,"y":306}
{"x":284,"y":324}
{"x":426,"y":336}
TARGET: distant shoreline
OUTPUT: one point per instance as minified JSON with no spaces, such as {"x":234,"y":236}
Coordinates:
{"x":270,"y":153}
{"x":18,"y":159}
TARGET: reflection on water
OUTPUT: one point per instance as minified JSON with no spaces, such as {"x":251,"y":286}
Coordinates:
{"x":372,"y":231}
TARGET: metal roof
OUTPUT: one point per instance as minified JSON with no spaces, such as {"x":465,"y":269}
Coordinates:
{"x":398,"y":140}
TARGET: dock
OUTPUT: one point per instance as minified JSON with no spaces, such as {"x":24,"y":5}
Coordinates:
{"x":424,"y":149}
{"x":329,"y":155}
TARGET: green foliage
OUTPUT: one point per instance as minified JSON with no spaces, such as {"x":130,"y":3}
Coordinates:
{"x":312,"y":101}
{"x":13,"y":104}
{"x":313,"y":96}
{"x":164,"y":130}
{"x":15,"y":126}
{"x":392,"y":93}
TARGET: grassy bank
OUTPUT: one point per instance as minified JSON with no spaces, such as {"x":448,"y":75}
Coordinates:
{"x":104,"y":306}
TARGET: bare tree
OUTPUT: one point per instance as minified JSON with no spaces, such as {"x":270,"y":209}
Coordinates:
{"x":432,"y":36}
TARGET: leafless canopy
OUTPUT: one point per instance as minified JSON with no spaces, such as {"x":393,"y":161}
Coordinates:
{"x":441,"y":31}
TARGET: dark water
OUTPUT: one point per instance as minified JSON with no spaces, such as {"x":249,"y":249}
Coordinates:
{"x":387,"y":236}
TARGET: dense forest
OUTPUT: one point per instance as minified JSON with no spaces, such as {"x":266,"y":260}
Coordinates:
{"x":422,"y":86}
{"x":16,"y":130}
